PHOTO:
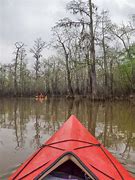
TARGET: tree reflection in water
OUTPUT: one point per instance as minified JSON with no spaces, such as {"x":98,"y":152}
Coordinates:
{"x":29,"y":123}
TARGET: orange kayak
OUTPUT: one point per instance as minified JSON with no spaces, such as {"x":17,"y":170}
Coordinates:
{"x":72,"y":153}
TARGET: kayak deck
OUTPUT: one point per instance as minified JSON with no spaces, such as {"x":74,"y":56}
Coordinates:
{"x":73,"y":151}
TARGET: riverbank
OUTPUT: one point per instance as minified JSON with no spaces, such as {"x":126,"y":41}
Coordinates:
{"x":79,"y":97}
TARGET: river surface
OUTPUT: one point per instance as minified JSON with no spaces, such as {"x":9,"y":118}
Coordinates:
{"x":26,"y":123}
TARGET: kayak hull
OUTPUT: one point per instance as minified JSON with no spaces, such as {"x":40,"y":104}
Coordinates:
{"x":72,"y":142}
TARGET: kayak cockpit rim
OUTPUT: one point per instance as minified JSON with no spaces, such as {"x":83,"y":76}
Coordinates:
{"x":61,"y":160}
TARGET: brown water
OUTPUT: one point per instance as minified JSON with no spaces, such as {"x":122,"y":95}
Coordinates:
{"x":26,"y":123}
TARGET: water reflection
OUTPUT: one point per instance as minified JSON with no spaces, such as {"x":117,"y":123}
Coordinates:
{"x":25,"y":124}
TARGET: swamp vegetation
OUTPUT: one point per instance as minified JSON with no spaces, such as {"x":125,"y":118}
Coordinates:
{"x":94,"y":57}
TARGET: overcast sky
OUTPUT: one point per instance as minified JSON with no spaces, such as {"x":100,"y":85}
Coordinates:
{"x":26,"y":20}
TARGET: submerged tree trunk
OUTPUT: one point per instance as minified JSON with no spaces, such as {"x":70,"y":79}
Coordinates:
{"x":89,"y":74}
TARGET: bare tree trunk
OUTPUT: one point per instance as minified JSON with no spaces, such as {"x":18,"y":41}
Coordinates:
{"x":89,"y":74}
{"x":77,"y":91}
{"x":36,"y":50}
{"x":22,"y":56}
{"x":68,"y":76}
{"x":111,"y":78}
{"x":21,"y":75}
{"x":105,"y":67}
{"x":18,"y":48}
{"x":15,"y":72}
{"x":92,"y":51}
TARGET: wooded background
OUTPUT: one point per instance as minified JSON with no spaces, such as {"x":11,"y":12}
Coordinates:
{"x":95,"y":57}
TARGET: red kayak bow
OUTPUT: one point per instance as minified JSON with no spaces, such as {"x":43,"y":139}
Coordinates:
{"x":72,"y":150}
